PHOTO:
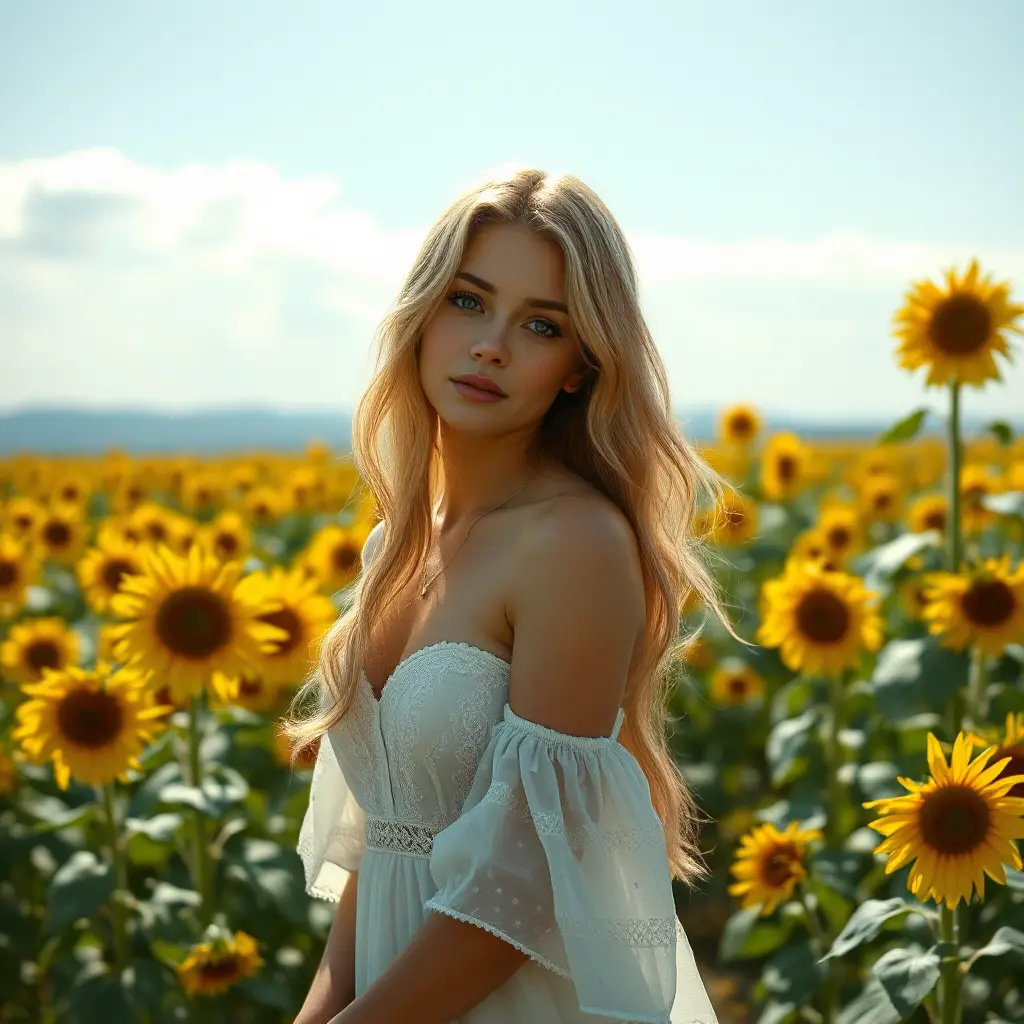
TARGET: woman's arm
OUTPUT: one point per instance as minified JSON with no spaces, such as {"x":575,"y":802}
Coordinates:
{"x":334,"y":984}
{"x":447,"y":968}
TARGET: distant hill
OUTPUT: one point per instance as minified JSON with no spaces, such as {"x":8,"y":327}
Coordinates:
{"x":67,"y":430}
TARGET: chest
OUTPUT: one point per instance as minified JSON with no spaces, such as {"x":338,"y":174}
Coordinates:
{"x":466,"y":603}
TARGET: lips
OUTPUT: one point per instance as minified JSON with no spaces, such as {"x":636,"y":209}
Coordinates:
{"x":480,"y":383}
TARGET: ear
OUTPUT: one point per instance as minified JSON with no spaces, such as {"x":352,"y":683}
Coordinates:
{"x":574,"y":382}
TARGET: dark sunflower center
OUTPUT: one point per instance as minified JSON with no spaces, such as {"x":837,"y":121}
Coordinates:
{"x":57,"y":534}
{"x":786,"y":466}
{"x":249,"y":687}
{"x":935,"y":520}
{"x":778,"y":866}
{"x":343,"y":557}
{"x":90,"y":718}
{"x":194,"y":622}
{"x":989,"y":603}
{"x":822,"y":617}
{"x":42,"y":654}
{"x":742,"y":425}
{"x":114,"y":570}
{"x":227,"y":543}
{"x":883,"y":499}
{"x":1015,"y":767}
{"x":737,"y":686}
{"x":960,"y":325}
{"x":23,"y":522}
{"x":156,"y":531}
{"x":735,"y":517}
{"x":69,"y":493}
{"x":287,"y":620}
{"x":954,"y":819}
{"x":839,"y":536}
{"x":225,"y":967}
{"x":8,"y":573}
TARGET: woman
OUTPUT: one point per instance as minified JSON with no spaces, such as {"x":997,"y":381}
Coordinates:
{"x":494,"y":806}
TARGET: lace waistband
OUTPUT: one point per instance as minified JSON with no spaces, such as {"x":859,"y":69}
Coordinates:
{"x":399,"y":837}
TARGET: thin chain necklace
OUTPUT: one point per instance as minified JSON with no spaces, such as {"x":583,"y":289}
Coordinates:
{"x":425,"y":585}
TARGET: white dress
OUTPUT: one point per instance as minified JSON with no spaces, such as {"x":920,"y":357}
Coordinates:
{"x":447,"y":801}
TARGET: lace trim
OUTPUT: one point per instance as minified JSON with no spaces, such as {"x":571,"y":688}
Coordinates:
{"x":635,"y":932}
{"x":399,"y":837}
{"x":632,"y":839}
{"x":431,"y":904}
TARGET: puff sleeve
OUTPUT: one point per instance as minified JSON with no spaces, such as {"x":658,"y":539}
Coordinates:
{"x":558,"y":850}
{"x":331,"y":839}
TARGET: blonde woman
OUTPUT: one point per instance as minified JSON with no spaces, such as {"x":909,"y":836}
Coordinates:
{"x":494,"y":807}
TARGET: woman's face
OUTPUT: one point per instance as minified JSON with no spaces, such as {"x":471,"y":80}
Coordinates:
{"x":501,"y":319}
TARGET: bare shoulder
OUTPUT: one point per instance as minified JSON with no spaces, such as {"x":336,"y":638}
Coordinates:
{"x":577,"y":608}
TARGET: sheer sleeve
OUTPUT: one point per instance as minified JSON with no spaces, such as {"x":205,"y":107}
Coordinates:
{"x":331,"y":839}
{"x":559,"y":851}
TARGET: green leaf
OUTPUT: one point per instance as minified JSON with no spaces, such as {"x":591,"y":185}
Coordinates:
{"x":905,"y":428}
{"x":907,"y":975}
{"x":1002,"y":431}
{"x":778,"y":1013}
{"x":788,"y":745}
{"x":873,"y":1004}
{"x":170,"y":954}
{"x":916,"y":675}
{"x":54,"y":814}
{"x":77,"y":889}
{"x":747,"y":935}
{"x":160,"y":828}
{"x":792,"y":974}
{"x":880,"y":564}
{"x":867,"y":921}
{"x":1005,"y":940}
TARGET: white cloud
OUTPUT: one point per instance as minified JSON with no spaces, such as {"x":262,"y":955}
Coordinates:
{"x":124,"y":284}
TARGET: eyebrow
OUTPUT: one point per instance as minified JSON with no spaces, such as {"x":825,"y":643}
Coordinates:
{"x":537,"y":303}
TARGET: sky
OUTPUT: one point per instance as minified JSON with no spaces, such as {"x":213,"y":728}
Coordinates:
{"x":213,"y":205}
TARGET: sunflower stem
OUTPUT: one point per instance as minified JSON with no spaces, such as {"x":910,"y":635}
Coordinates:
{"x":950,"y":977}
{"x":976,"y":703}
{"x":954,"y":552}
{"x":201,"y":856}
{"x":117,"y":907}
{"x":834,"y":757}
{"x":829,"y":1002}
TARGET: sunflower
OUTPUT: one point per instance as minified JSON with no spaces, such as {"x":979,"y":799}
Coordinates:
{"x":928,"y":512}
{"x":958,"y":826}
{"x":769,"y":863}
{"x":734,"y":522}
{"x":983,"y":606}
{"x":201,"y":491}
{"x":37,"y":644}
{"x":1014,"y":479}
{"x":213,"y":967}
{"x":60,"y":533}
{"x":698,"y":654}
{"x":303,"y":614}
{"x":72,"y":488}
{"x":821,"y":621}
{"x":188,"y":620}
{"x":334,"y":555}
{"x":250,"y":690}
{"x":91,"y":723}
{"x":739,"y":424}
{"x":103,"y":568}
{"x":22,"y":516}
{"x":978,"y":481}
{"x":911,"y":594}
{"x":784,"y":464}
{"x":306,"y":489}
{"x":152,"y":523}
{"x":128,"y":494}
{"x":735,"y":683}
{"x":839,"y":526}
{"x":227,"y":536}
{"x":265,"y":505}
{"x":956,"y":331}
{"x":812,"y":546}
{"x":1010,"y":744}
{"x":881,"y":498}
{"x":19,"y":567}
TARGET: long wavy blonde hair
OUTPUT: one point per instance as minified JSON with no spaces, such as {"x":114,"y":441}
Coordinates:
{"x":617,"y":431}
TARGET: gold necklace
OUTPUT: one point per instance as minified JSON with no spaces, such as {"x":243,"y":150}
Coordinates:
{"x":425,"y":585}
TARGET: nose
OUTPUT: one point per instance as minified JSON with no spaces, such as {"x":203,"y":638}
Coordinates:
{"x":491,"y":344}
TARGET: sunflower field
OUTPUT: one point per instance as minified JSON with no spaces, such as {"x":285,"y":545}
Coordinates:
{"x":860,"y":758}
